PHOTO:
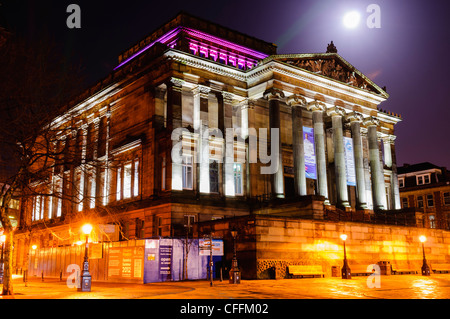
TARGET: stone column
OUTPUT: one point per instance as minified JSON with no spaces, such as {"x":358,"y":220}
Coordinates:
{"x":355,"y":120}
{"x":317,"y":109}
{"x":228,"y":159}
{"x":174,"y":170}
{"x":378,"y":186}
{"x":387,"y":151}
{"x":394,"y":177}
{"x":106,"y":185}
{"x":203,"y":177}
{"x":296,"y":102}
{"x":275,"y":96}
{"x":83,"y":179}
{"x":337,"y":113}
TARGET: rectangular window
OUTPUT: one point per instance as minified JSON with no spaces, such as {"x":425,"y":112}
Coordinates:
{"x":423,"y":179}
{"x":38,"y":207}
{"x":159,"y":225}
{"x":136,"y":178}
{"x":430,"y":200}
{"x":187,"y":172}
{"x":57,"y":191}
{"x":404,"y":202}
{"x":119,"y":184}
{"x":92,"y":187}
{"x":237,"y":172}
{"x":163,"y":173}
{"x":432,"y":220}
{"x":401,"y":182}
{"x":103,"y":188}
{"x":127,"y":181}
{"x":79,"y":190}
{"x":189,"y":221}
{"x":420,"y":202}
{"x":214,"y":177}
{"x":447,"y":198}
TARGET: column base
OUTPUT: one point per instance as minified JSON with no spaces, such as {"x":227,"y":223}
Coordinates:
{"x":344,"y":205}
{"x":362,"y":206}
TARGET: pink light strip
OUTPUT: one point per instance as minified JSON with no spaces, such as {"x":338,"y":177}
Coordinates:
{"x":226,"y":43}
{"x":162,"y":39}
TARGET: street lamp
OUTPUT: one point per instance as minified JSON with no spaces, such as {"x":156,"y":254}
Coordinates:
{"x":346,"y":272}
{"x":85,"y":276}
{"x":425,"y":268}
{"x":235,"y":274}
{"x":211,"y":263}
{"x":2,"y":240}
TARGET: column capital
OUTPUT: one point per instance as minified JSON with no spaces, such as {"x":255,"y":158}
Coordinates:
{"x":316,"y":106}
{"x":354,"y":117}
{"x":336,"y":111}
{"x":295,"y":99}
{"x":176,"y":83}
{"x":391,"y":139}
{"x":274,"y":94}
{"x":84,"y":127}
{"x":201,"y":90}
{"x":247,"y":103}
{"x":371,"y":121}
{"x":227,"y":97}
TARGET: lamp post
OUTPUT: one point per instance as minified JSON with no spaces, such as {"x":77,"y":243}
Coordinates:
{"x":2,"y":240}
{"x":425,"y":268}
{"x":346,"y":272}
{"x":235,"y":274}
{"x":211,"y":264}
{"x":85,"y":276}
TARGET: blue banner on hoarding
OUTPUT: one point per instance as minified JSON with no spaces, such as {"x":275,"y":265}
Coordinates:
{"x":310,"y":154}
{"x":349,"y":161}
{"x":178,"y":259}
{"x":165,"y":259}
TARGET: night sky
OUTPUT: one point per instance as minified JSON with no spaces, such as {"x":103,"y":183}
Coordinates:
{"x":408,"y":54}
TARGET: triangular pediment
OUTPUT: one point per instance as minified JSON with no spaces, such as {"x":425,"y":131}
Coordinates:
{"x":331,"y":65}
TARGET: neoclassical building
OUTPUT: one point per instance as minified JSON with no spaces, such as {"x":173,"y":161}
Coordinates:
{"x":194,"y":88}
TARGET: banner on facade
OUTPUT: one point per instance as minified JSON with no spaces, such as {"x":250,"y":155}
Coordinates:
{"x":165,"y":259}
{"x":310,"y":153}
{"x":349,"y":161}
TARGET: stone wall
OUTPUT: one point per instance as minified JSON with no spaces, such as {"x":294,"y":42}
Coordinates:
{"x":266,"y":244}
{"x":287,"y":241}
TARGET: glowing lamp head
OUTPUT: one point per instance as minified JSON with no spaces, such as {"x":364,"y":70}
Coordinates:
{"x":344,"y":237}
{"x":2,"y":238}
{"x":86,"y":229}
{"x":79,"y":243}
{"x":34,"y":247}
{"x":423,"y":239}
{"x":351,"y":19}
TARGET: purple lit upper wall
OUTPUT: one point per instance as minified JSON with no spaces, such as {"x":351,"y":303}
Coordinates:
{"x":244,"y":56}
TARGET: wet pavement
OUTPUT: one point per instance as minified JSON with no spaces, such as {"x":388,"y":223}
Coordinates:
{"x":436,"y":286}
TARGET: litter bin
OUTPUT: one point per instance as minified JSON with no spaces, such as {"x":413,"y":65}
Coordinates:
{"x":385,"y":267}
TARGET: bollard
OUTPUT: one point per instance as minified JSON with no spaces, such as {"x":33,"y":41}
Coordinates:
{"x":60,"y":275}
{"x":42,"y":276}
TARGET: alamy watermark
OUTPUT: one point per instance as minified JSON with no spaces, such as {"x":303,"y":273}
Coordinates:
{"x":257,"y":146}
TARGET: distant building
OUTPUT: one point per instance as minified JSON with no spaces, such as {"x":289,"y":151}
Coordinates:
{"x":426,"y":186}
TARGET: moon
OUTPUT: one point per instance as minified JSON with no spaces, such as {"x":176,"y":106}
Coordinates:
{"x":351,"y":19}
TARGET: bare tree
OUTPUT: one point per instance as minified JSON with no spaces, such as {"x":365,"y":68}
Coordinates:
{"x":36,"y":84}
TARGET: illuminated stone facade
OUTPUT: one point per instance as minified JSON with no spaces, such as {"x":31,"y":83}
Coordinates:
{"x":202,"y":77}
